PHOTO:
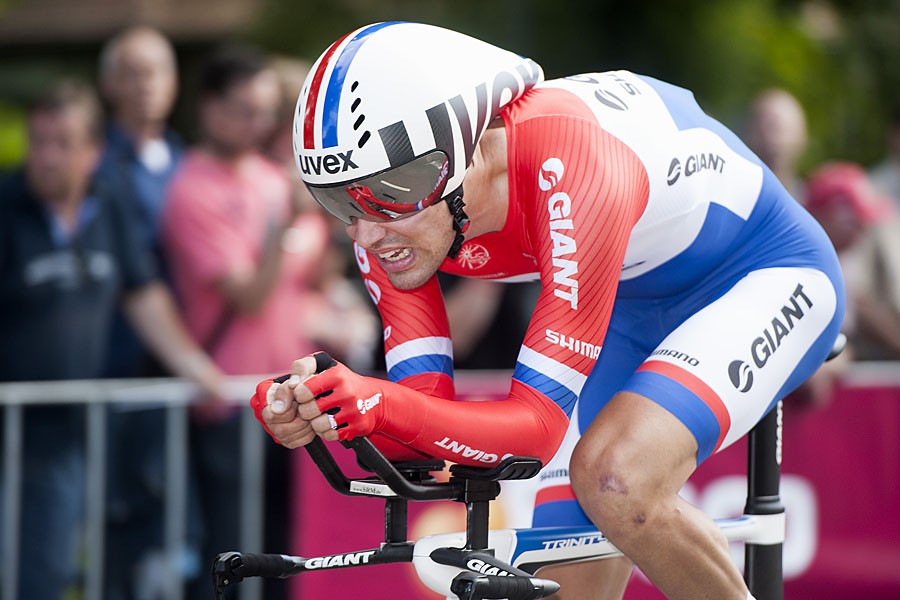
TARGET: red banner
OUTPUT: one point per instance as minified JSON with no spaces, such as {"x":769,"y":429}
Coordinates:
{"x":841,"y":488}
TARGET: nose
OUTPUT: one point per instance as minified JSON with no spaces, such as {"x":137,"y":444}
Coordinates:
{"x":366,"y":233}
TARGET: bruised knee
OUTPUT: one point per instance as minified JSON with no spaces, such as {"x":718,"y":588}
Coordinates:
{"x":606,"y":483}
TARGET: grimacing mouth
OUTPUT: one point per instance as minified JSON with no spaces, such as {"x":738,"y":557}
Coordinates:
{"x":395,"y":255}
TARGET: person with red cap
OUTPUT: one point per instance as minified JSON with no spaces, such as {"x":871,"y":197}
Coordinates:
{"x":865,"y":229}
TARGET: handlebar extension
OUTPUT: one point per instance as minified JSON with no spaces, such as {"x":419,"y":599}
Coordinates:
{"x":472,"y":586}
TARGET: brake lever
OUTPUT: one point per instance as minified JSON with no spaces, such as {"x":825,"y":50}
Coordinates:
{"x":223,"y":572}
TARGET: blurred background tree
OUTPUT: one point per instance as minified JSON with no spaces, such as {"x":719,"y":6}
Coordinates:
{"x":839,"y":57}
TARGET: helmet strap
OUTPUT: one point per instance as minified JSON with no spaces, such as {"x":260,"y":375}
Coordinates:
{"x":460,"y":220}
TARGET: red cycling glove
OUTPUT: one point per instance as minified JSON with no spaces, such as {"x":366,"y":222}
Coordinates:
{"x":407,"y":424}
{"x":357,"y":403}
{"x":265,"y":390}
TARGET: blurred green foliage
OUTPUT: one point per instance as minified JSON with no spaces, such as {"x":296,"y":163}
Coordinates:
{"x":839,"y":58}
{"x":21,"y":77}
{"x":12,"y":134}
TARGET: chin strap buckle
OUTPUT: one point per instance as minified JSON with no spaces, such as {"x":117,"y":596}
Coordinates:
{"x":460,"y":221}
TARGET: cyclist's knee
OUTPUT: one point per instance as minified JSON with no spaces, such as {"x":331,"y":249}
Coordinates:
{"x":606,"y":484}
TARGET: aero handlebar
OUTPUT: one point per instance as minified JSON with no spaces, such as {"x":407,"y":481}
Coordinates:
{"x":398,"y":483}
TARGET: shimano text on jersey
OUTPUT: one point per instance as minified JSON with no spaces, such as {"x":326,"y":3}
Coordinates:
{"x":569,"y":343}
{"x":678,"y":355}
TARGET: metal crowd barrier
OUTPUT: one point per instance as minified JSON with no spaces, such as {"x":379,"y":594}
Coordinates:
{"x":98,"y":396}
{"x":175,"y":395}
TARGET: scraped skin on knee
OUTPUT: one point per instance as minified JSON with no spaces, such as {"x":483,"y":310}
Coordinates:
{"x":626,"y":471}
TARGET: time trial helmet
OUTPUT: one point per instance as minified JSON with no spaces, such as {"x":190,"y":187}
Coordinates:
{"x":389,"y":117}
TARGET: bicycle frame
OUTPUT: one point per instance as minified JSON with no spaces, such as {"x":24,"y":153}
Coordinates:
{"x":483,"y":564}
{"x":447,"y":563}
{"x":761,"y":528}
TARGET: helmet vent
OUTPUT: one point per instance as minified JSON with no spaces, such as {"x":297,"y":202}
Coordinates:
{"x":359,"y":121}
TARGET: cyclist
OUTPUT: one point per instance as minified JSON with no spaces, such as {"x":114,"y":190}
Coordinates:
{"x":683,"y":290}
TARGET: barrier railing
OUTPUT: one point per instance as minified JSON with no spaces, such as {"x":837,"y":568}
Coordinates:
{"x":174,"y":396}
{"x":100,"y":396}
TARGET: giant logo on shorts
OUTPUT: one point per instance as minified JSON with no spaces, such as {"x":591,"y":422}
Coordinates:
{"x":741,"y":375}
{"x":769,"y":341}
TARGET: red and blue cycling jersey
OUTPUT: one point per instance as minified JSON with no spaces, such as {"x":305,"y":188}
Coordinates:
{"x":621,"y":191}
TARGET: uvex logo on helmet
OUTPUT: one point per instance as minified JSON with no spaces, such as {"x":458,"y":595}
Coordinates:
{"x":378,"y":93}
{"x":332,"y":164}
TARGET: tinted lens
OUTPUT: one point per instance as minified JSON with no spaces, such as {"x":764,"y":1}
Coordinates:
{"x":392,"y":194}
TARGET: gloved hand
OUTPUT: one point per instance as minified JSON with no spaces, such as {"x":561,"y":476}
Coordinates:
{"x":275,"y":406}
{"x":353,"y":405}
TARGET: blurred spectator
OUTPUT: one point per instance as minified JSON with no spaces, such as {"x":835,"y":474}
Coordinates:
{"x":840,"y":197}
{"x":68,"y":252}
{"x":291,"y":74}
{"x":340,"y":319}
{"x":139,"y":80}
{"x":488,"y":321}
{"x":885,"y":175}
{"x":866,"y":231}
{"x":138,"y":77}
{"x":241,"y":250}
{"x":776,"y":132}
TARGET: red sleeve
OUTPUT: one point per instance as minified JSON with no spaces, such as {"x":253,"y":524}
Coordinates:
{"x":417,"y":345}
{"x":480,"y":433}
{"x":422,"y":418}
{"x":583,"y":190}
{"x":474,"y":433}
{"x":580,"y":191}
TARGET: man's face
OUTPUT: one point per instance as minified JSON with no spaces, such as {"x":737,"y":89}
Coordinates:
{"x":62,"y":154}
{"x":410,"y":250}
{"x":143,"y":83}
{"x":243,"y":118}
{"x":777,"y":130}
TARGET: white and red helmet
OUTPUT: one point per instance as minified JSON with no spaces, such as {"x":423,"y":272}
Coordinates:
{"x":390,"y":115}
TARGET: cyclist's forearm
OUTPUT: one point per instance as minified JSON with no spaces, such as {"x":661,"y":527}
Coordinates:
{"x":474,"y":433}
